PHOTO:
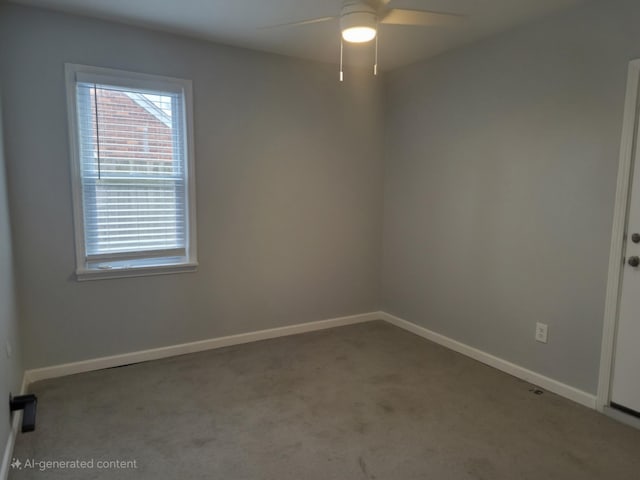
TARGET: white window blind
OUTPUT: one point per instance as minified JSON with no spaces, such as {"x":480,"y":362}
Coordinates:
{"x":133,"y":171}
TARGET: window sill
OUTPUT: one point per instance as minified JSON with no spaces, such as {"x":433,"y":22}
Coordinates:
{"x":95,"y":273}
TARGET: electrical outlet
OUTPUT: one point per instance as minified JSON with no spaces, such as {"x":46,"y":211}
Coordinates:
{"x":541,"y":332}
{"x":9,"y":350}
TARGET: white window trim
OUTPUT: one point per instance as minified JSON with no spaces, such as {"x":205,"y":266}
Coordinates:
{"x":75,"y":73}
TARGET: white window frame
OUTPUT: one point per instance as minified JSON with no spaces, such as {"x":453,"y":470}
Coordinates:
{"x":135,"y":267}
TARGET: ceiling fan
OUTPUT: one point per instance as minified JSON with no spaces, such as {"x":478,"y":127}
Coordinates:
{"x":360,"y":19}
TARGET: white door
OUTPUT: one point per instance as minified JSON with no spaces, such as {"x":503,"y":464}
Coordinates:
{"x":625,"y":390}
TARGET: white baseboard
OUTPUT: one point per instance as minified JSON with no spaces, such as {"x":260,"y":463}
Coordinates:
{"x":559,"y":388}
{"x":16,"y":419}
{"x":192,"y":347}
{"x":532,"y":377}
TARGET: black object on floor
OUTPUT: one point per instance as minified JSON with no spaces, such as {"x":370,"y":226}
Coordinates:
{"x":27,"y":403}
{"x":626,"y":410}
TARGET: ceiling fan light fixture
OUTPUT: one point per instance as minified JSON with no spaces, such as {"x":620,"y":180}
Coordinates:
{"x":358,"y":34}
{"x":358,"y":23}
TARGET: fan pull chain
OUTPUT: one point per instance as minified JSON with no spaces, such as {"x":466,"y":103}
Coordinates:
{"x":341,"y":55}
{"x":375,"y":62}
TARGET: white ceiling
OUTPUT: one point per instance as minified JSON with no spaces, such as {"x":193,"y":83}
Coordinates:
{"x":239,"y":22}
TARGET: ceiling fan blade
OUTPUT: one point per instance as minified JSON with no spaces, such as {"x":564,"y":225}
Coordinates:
{"x":401,"y":16}
{"x":301,"y":22}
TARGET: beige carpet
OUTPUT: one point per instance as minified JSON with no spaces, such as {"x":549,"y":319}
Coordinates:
{"x":368,"y":401}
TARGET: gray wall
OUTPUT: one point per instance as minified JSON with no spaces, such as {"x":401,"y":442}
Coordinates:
{"x":500,"y":174}
{"x":288,"y":191}
{"x":10,"y":367}
{"x":500,"y":171}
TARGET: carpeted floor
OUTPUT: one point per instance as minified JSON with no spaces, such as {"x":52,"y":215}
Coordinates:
{"x":368,"y":401}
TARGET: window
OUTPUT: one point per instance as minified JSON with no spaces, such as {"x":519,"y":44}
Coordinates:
{"x":133,"y":176}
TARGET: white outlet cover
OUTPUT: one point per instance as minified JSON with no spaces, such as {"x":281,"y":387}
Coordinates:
{"x":542,"y":330}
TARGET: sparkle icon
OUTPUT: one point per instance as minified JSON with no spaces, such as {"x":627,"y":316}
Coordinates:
{"x":16,"y":463}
